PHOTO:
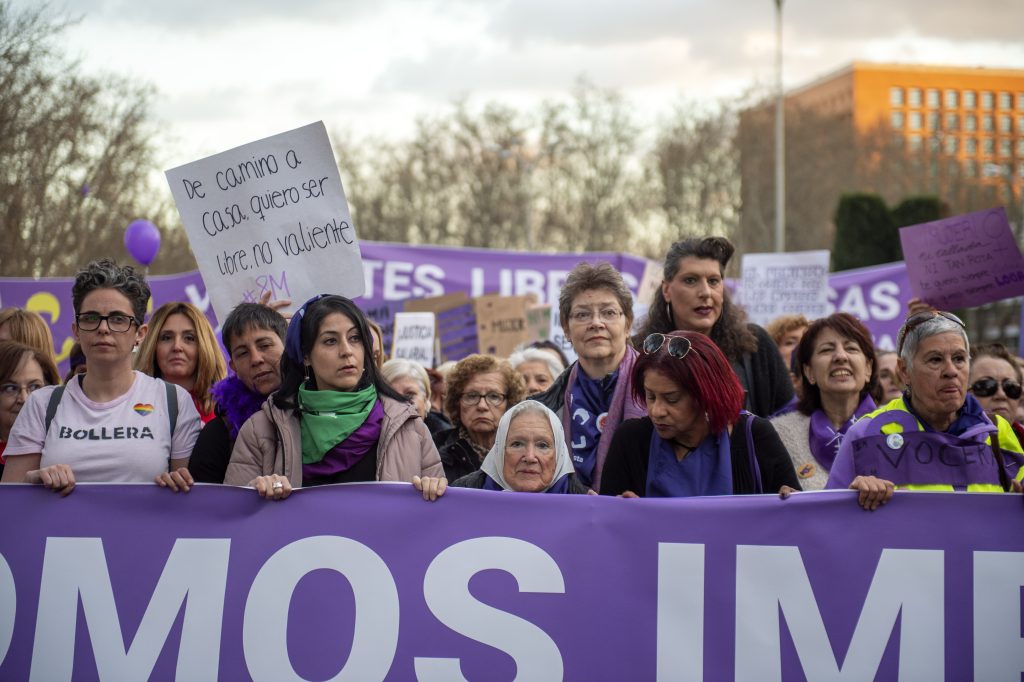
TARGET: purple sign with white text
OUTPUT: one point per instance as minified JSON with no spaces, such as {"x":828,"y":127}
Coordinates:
{"x":370,"y":582}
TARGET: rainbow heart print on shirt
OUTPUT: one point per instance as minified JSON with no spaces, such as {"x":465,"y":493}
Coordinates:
{"x":143,"y":408}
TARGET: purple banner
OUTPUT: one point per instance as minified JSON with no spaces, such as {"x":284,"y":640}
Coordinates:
{"x":877,"y":296}
{"x":370,"y":582}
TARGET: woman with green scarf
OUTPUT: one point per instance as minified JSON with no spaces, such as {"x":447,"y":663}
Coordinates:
{"x":334,"y":419}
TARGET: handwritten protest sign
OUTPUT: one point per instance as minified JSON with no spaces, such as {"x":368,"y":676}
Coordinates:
{"x":776,"y":284}
{"x":414,"y":338}
{"x":963,"y":261}
{"x":501,"y":323}
{"x":538,"y":322}
{"x":270,"y":216}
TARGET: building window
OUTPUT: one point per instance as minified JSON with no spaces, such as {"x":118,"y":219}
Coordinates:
{"x":1020,"y":147}
{"x":1020,"y":169}
{"x":934,"y":144}
{"x":1005,"y":148}
{"x":915,"y":120}
{"x":914,"y":143}
{"x":932,"y":97}
{"x":951,"y":145}
{"x":970,"y":168}
{"x":1004,"y":124}
{"x":1020,"y":124}
{"x":1005,"y":100}
{"x":914,"y":97}
{"x":971,"y":146}
{"x":897,"y":120}
{"x":1020,"y":100}
{"x":987,"y":123}
{"x":951,"y":99}
{"x":970,"y":99}
{"x":970,"y":123}
{"x":988,"y":146}
{"x":933,"y":120}
{"x":952,"y":122}
{"x":896,"y":97}
{"x":987,"y":100}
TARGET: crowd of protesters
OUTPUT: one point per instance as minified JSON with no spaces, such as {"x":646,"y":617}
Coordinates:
{"x":698,"y":401}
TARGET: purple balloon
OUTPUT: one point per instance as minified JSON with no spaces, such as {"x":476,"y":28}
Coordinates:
{"x":142,"y":239}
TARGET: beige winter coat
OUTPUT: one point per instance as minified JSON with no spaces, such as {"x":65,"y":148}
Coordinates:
{"x":271,"y":443}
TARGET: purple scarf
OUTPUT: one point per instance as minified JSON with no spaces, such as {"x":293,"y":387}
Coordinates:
{"x":622,"y":408}
{"x":348,"y":452}
{"x":824,"y":440}
{"x":236,"y":401}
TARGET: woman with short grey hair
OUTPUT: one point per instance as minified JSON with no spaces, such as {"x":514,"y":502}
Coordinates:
{"x":896,"y":446}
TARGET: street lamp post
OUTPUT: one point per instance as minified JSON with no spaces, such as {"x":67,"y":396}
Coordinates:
{"x":780,"y":138}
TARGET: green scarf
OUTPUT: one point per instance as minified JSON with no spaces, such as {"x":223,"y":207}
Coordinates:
{"x":329,"y":417}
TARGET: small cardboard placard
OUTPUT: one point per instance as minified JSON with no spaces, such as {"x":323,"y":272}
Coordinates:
{"x":501,"y":323}
{"x":270,"y":216}
{"x":963,"y":261}
{"x":414,"y":338}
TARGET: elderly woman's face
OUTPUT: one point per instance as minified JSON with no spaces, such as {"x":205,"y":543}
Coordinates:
{"x":537,"y":375}
{"x":938,"y":379}
{"x":597,"y":326}
{"x":997,"y":371}
{"x":483,"y":400}
{"x":413,"y":390}
{"x":838,"y":365}
{"x":529,"y":453}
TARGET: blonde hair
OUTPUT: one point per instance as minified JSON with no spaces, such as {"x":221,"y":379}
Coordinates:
{"x":27,"y":327}
{"x":398,"y":368}
{"x":210,"y":365}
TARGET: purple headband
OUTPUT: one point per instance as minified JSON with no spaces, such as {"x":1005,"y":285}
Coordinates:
{"x":293,"y":338}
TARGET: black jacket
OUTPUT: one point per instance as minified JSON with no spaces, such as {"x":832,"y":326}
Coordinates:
{"x":626,"y":466}
{"x":767,"y":383}
{"x":457,"y":456}
{"x":212,"y":452}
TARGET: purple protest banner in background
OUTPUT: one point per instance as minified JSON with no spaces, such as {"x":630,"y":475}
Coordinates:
{"x":877,"y":296}
{"x":371,"y":582}
{"x":963,"y":261}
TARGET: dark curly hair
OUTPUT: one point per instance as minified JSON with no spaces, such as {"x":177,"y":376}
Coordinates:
{"x":730,"y":332}
{"x":106,"y":274}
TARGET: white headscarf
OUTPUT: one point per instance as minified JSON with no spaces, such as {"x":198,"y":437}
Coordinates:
{"x":494,"y":463}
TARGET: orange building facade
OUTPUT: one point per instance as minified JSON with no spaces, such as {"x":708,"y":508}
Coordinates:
{"x":973,"y":114}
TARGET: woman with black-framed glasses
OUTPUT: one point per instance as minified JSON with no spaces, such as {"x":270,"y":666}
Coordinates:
{"x":937,"y":436}
{"x":696,"y":440}
{"x":996,"y":382}
{"x":112,"y":424}
{"x":480,"y":389}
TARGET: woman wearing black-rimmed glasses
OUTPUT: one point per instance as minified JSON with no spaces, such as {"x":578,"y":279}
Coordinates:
{"x":112,"y":424}
{"x":996,"y":383}
{"x":937,"y":436}
{"x":695,"y":441}
{"x":480,"y":389}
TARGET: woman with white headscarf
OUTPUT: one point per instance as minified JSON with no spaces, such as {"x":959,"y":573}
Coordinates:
{"x":529,"y":456}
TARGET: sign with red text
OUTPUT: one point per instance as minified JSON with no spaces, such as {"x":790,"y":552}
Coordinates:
{"x":270,"y":216}
{"x":964,"y":261}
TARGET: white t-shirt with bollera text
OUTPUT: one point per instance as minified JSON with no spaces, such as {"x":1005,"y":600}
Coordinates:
{"x":126,"y":440}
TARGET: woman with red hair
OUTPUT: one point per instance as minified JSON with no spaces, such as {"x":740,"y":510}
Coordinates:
{"x":695,"y":440}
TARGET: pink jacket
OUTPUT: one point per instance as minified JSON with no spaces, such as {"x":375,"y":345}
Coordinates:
{"x":270,"y":442}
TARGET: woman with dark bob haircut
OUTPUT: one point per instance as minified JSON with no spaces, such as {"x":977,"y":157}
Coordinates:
{"x":334,"y":419}
{"x":693,"y":298}
{"x":695,"y":440}
{"x":836,"y":362}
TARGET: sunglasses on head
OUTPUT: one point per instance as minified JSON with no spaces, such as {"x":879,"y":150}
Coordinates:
{"x":983,"y":388}
{"x":917,"y":320}
{"x":678,"y":346}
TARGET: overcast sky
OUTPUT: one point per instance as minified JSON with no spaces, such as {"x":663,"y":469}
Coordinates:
{"x":228,"y":72}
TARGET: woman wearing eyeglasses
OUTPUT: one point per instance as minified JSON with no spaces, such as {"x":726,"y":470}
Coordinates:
{"x":23,"y":370}
{"x":334,"y":419}
{"x":695,"y":441}
{"x":480,"y":389}
{"x":935,"y":437}
{"x":592,"y":396}
{"x":111,"y":424}
{"x":996,"y":383}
